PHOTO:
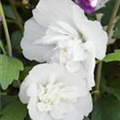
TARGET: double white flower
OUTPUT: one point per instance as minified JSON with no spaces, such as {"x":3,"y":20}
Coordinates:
{"x":59,"y":32}
{"x":52,"y":93}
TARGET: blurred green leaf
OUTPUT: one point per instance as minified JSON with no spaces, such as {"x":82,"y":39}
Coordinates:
{"x":112,"y":56}
{"x":117,"y":30}
{"x":9,"y":70}
{"x":111,"y":70}
{"x":113,"y":87}
{"x":14,"y":111}
{"x":16,"y":38}
{"x":107,"y":10}
{"x":7,"y":99}
{"x":25,"y":72}
{"x":86,"y":118}
{"x":107,"y":107}
{"x":8,"y":11}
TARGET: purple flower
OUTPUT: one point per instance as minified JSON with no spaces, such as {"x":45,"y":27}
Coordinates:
{"x":87,"y":5}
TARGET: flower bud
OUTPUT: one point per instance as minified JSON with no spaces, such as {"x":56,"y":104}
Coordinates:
{"x":87,"y":5}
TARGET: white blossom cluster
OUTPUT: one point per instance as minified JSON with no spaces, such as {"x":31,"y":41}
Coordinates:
{"x":60,"y":34}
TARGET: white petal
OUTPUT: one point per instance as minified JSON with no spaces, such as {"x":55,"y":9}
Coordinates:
{"x":75,"y":80}
{"x":73,"y":66}
{"x":42,"y":72}
{"x":90,"y":66}
{"x":89,"y":63}
{"x":91,"y":31}
{"x":24,"y":98}
{"x":32,"y":90}
{"x":62,"y":31}
{"x":34,"y":112}
{"x":78,"y":51}
{"x":56,"y":73}
{"x":85,"y":68}
{"x":68,"y":28}
{"x":33,"y":32}
{"x":73,"y":115}
{"x":84,"y":105}
{"x":60,"y":111}
{"x":49,"y":11}
{"x":39,"y":74}
{"x":49,"y":40}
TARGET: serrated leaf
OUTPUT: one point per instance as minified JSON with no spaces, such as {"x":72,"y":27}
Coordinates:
{"x":112,"y":56}
{"x":9,"y":70}
{"x":107,"y":107}
{"x":8,"y":11}
{"x":14,"y":111}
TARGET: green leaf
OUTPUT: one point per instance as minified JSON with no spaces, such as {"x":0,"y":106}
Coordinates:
{"x":8,"y":11}
{"x":7,"y":99}
{"x":9,"y":70}
{"x":107,"y":10}
{"x":86,"y":118}
{"x":16,"y":38}
{"x":14,"y":111}
{"x":117,"y":30}
{"x":113,"y":56}
{"x":25,"y":72}
{"x":112,"y":87}
{"x":107,"y":107}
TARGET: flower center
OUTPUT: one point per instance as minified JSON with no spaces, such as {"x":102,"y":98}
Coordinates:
{"x":64,"y":49}
{"x":51,"y":95}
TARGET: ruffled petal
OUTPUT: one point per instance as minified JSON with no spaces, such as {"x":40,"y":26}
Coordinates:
{"x":49,"y":11}
{"x":34,"y":111}
{"x":48,"y":74}
{"x":32,"y":90}
{"x":89,"y":63}
{"x":24,"y":98}
{"x":84,"y":105}
{"x":73,"y":66}
{"x":41,"y":73}
{"x":91,"y":31}
{"x":73,"y":115}
{"x":33,"y":32}
{"x":61,"y":110}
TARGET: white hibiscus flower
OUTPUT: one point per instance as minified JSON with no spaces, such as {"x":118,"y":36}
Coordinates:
{"x":53,"y":93}
{"x":59,"y":32}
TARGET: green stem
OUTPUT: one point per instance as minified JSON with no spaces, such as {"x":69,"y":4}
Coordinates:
{"x":18,"y":19}
{"x":2,"y":48}
{"x":98,"y":80}
{"x":6,"y":30}
{"x":113,"y":16}
{"x":109,"y":28}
